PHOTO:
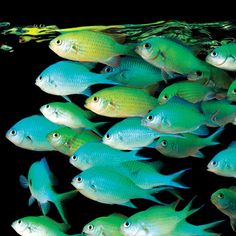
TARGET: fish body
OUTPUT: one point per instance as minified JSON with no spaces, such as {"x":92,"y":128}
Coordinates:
{"x":106,"y":225}
{"x":70,"y":115}
{"x":67,"y":78}
{"x":231,"y":93}
{"x":67,"y":140}
{"x":129,"y":134}
{"x":224,"y":162}
{"x":175,"y":116}
{"x":88,"y":45}
{"x":41,"y":187}
{"x":120,"y":102}
{"x":225,"y":200}
{"x":31,"y":133}
{"x":40,"y":225}
{"x":102,"y":154}
{"x":223,"y":57}
{"x":107,"y":186}
{"x":185,"y":146}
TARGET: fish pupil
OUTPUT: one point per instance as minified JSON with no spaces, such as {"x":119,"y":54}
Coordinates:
{"x":214,"y":163}
{"x":214,"y":54}
{"x":13,"y":132}
{"x":55,"y":135}
{"x":147,"y":45}
{"x":95,"y":99}
{"x":74,"y":157}
{"x":234,"y":91}
{"x":40,"y":78}
{"x":164,"y":143}
{"x":58,"y":42}
{"x":198,"y":73}
{"x":47,"y":106}
{"x":165,"y":97}
{"x":127,"y":224}
{"x":108,"y":136}
{"x":221,"y":195}
{"x":79,"y":179}
{"x":90,"y":227}
{"x":150,"y":117}
{"x":19,"y":221}
{"x":108,"y":69}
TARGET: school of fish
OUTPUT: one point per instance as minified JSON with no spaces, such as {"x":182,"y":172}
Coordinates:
{"x":156,"y":94}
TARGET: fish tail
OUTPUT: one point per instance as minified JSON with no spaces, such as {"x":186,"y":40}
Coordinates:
{"x":96,"y":126}
{"x":133,"y":156}
{"x":174,"y":179}
{"x":130,"y":49}
{"x":209,"y":226}
{"x":211,"y":140}
{"x":59,"y":201}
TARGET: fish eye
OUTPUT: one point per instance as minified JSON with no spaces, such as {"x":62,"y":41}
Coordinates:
{"x":234,"y":91}
{"x":214,"y":163}
{"x":47,"y":106}
{"x":40,"y":78}
{"x":107,"y":136}
{"x":108,"y":69}
{"x":199,"y":73}
{"x":214,"y":54}
{"x":19,"y":222}
{"x":165,"y":97}
{"x":126,"y":224}
{"x":150,"y":118}
{"x":95,"y":99}
{"x":55,"y":135}
{"x":221,"y":195}
{"x":58,"y":42}
{"x":90,"y":227}
{"x":13,"y":132}
{"x":79,"y":179}
{"x":74,"y":157}
{"x":147,"y":45}
{"x":164,"y":143}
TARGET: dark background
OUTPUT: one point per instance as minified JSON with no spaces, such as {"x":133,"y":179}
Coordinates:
{"x":21,"y":98}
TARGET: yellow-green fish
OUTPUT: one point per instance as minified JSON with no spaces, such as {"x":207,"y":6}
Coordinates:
{"x":67,"y":140}
{"x":88,"y":45}
{"x":231,"y":94}
{"x":120,"y":102}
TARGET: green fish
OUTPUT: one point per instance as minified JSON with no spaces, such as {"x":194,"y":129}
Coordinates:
{"x":225,"y":200}
{"x":188,"y":90}
{"x":156,"y":220}
{"x":120,"y":102}
{"x":31,"y":133}
{"x":185,"y":146}
{"x":176,"y":116}
{"x":105,"y":185}
{"x":223,"y":57}
{"x":224,"y":162}
{"x":70,"y":115}
{"x":102,"y":154}
{"x":91,"y":46}
{"x":40,"y":183}
{"x":40,"y":225}
{"x":172,"y":57}
{"x":129,"y":134}
{"x":134,"y":72}
{"x":67,"y":140}
{"x":106,"y":225}
{"x":221,"y":110}
{"x":231,"y":94}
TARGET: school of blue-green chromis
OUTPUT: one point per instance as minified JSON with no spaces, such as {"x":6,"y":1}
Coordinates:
{"x":156,"y":94}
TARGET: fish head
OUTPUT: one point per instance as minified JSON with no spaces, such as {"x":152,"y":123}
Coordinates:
{"x":54,"y":137}
{"x":48,"y":110}
{"x":46,"y":82}
{"x":93,"y":229}
{"x":218,"y":57}
{"x":96,"y":103}
{"x":219,"y":165}
{"x":231,"y":94}
{"x":79,"y":182}
{"x":22,"y":227}
{"x":130,"y":228}
{"x":81,"y":162}
{"x":111,"y":139}
{"x":152,"y":120}
{"x":221,"y":199}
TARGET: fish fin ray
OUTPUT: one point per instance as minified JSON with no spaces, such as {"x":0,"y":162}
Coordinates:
{"x":198,"y":154}
{"x":31,"y":200}
{"x":23,"y":181}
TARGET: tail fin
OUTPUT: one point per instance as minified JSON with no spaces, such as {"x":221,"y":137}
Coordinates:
{"x":132,"y":156}
{"x":96,"y":126}
{"x":211,"y":140}
{"x":130,"y":49}
{"x":209,"y":226}
{"x":58,"y":201}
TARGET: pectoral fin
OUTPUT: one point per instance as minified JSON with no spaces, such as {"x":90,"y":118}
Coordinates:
{"x":44,"y":207}
{"x":23,"y":181}
{"x":233,"y":224}
{"x":31,"y":200}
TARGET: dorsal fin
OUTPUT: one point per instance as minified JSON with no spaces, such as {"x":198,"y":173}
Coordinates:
{"x":118,"y":37}
{"x":232,"y":144}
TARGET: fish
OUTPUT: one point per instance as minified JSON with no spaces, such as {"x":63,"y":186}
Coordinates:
{"x":70,"y":115}
{"x":134,"y":72}
{"x":161,"y":219}
{"x":224,"y":200}
{"x":65,"y":78}
{"x":172,"y":57}
{"x":40,"y":225}
{"x":67,"y":140}
{"x":102,"y":154}
{"x":185,"y":146}
{"x":120,"y":102}
{"x":91,"y":46}
{"x":224,"y":162}
{"x":231,"y":93}
{"x":105,"y":225}
{"x":188,"y":90}
{"x":107,"y":186}
{"x":223,"y":57}
{"x":129,"y":134}
{"x":222,"y":111}
{"x":31,"y":133}
{"x":176,"y":116}
{"x":41,"y":188}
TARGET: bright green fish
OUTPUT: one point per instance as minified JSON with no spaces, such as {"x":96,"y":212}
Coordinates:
{"x":105,"y":185}
{"x":31,"y":133}
{"x":224,"y":162}
{"x":225,"y":200}
{"x":129,"y":134}
{"x":188,"y":90}
{"x":120,"y":102}
{"x":86,"y":45}
{"x":223,"y":57}
{"x":106,"y":225}
{"x":171,"y":56}
{"x":156,"y":220}
{"x":70,"y":115}
{"x":40,"y":183}
{"x":67,"y":140}
{"x":102,"y":154}
{"x":221,"y":110}
{"x":134,"y":72}
{"x":185,"y":146}
{"x":231,"y":94}
{"x":40,"y":225}
{"x":176,"y":116}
